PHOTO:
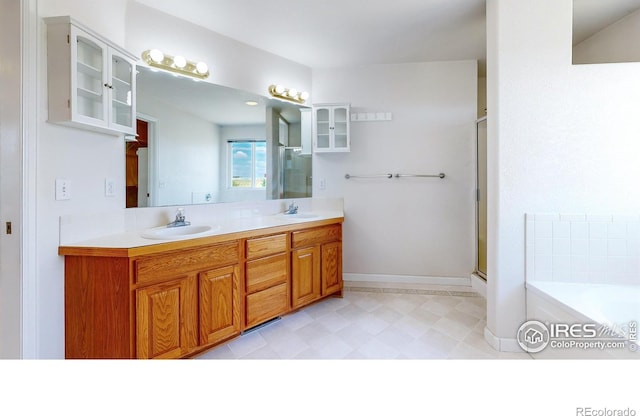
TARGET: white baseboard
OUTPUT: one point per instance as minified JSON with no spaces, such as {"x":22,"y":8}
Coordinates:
{"x":389,"y":278}
{"x":502,"y":344}
{"x":479,"y":285}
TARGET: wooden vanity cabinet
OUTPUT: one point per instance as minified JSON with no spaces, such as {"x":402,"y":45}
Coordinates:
{"x":186,"y":299}
{"x":165,"y":305}
{"x":316,"y":264}
{"x":181,"y":298}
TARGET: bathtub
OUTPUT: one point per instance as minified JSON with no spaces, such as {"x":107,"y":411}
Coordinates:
{"x":614,"y":307}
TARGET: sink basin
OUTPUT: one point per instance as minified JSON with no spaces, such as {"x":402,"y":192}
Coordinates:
{"x":294,"y":217}
{"x":173,"y":233}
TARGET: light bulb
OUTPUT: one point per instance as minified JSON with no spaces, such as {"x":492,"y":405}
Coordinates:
{"x":304,"y":95}
{"x":279,"y":89}
{"x":201,"y":68}
{"x":179,"y":61}
{"x":293,"y":92}
{"x":156,"y":55}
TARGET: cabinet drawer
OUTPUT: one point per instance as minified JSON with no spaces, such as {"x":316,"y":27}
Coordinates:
{"x":316,"y":235}
{"x":264,"y":273}
{"x":266,"y":304}
{"x":159,"y":267}
{"x":265,"y":246}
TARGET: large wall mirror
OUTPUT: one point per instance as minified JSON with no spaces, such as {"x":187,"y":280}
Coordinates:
{"x":202,"y":143}
{"x":605,"y":31}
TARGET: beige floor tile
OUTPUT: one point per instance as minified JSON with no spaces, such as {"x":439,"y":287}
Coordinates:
{"x":378,"y":350}
{"x":378,"y":322}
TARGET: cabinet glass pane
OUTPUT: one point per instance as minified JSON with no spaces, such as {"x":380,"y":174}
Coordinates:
{"x":89,"y":87}
{"x":340,"y":141}
{"x":340,"y":115}
{"x":323,"y":127}
{"x":322,"y":115}
{"x":323,"y":141}
{"x":121,"y":96}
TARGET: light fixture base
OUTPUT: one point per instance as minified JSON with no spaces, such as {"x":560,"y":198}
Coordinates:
{"x":183,"y":67}
{"x":293,"y":95}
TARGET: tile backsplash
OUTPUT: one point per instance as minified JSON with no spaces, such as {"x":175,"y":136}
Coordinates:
{"x":583,"y":248}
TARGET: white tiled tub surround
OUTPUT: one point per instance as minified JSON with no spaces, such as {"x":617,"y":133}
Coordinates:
{"x":582,"y":248}
{"x":83,"y":227}
{"x":583,"y":268}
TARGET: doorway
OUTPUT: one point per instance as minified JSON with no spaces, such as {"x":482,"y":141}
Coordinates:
{"x":137,"y":166}
{"x":481,"y":197}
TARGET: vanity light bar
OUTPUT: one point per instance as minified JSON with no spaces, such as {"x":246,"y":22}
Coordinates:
{"x":289,"y":94}
{"x":177,"y":64}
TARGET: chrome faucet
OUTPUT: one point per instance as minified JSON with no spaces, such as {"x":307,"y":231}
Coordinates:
{"x":180,"y":219}
{"x":293,"y":209}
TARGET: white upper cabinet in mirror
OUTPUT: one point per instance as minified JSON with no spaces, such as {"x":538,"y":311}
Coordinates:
{"x":203,"y":143}
{"x":606,"y":31}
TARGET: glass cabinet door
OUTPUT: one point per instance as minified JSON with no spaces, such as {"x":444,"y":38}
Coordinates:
{"x":323,"y":129}
{"x":89,"y":78}
{"x":340,"y":128}
{"x":121,"y":86}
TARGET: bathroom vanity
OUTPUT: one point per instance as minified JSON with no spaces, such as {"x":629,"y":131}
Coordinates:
{"x":177,"y":298}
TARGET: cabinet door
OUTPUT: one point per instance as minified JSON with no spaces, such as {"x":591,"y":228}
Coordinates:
{"x":331,"y":267}
{"x":305,"y":275}
{"x":89,"y":78}
{"x":219,"y":304}
{"x":165,"y":319}
{"x":121,"y":92}
{"x":322,"y":129}
{"x":340,"y":128}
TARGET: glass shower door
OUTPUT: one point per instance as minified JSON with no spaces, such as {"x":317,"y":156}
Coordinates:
{"x":296,"y":169}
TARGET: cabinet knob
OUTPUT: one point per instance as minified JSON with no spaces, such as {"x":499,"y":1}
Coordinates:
{"x":108,"y":86}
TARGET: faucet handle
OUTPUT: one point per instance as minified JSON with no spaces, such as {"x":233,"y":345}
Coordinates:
{"x":180,"y":214}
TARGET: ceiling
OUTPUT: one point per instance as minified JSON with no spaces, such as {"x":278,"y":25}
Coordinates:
{"x":591,"y":16}
{"x":339,"y":33}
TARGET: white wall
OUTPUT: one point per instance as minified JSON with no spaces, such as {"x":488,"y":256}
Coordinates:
{"x":404,"y":227}
{"x":86,"y":158}
{"x":562,"y":138}
{"x":231,"y":63}
{"x":188,"y":154}
{"x":615,"y":43}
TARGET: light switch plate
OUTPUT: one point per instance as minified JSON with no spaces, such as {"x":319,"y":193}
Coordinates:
{"x":63,"y":189}
{"x":109,"y":187}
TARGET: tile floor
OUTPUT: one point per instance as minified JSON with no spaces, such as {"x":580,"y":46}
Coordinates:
{"x":374,"y":323}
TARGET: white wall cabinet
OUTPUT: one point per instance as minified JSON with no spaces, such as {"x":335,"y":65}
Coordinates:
{"x":305,"y":131}
{"x":91,"y":81}
{"x":331,"y":128}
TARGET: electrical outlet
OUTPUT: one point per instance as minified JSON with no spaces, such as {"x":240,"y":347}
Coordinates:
{"x":109,"y":187}
{"x":63,"y":189}
{"x":323,"y":184}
